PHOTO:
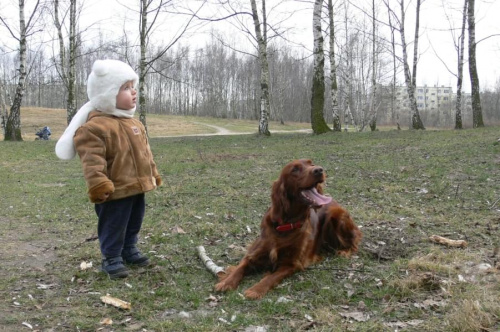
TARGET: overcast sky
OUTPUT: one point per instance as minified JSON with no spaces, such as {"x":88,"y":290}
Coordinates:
{"x":436,"y":44}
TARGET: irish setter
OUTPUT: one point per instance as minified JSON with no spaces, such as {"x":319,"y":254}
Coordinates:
{"x":300,"y":225}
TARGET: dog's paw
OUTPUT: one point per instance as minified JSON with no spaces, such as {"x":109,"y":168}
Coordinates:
{"x":346,"y":253}
{"x":224,"y":286}
{"x":253,"y":295}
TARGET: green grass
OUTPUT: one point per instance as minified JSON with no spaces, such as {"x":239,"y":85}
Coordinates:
{"x":400,"y":186}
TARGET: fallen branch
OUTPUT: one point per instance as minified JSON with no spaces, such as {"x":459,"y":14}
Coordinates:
{"x":116,"y":302}
{"x":448,"y":242}
{"x":209,"y":263}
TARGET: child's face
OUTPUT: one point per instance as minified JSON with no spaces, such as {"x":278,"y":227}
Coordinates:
{"x":126,"y":98}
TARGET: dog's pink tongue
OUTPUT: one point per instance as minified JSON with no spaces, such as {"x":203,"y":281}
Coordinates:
{"x":316,"y":197}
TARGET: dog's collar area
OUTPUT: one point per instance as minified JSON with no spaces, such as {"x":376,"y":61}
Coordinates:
{"x":289,"y":227}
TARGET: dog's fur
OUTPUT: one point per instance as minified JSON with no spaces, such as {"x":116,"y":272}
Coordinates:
{"x":312,"y":224}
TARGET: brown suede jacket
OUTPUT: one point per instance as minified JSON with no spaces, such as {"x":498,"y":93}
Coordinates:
{"x":116,"y":158}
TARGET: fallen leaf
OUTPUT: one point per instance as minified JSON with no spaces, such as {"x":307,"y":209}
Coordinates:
{"x":85,"y":265}
{"x":106,"y":321}
{"x":283,"y":299}
{"x":356,"y":315}
{"x":28,"y":325}
{"x":178,"y":230}
{"x":43,"y":286}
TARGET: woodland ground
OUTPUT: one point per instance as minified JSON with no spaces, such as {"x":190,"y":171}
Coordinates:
{"x":400,"y":186}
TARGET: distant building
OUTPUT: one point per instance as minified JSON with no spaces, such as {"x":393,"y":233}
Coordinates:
{"x":428,"y":98}
{"x":436,"y":105}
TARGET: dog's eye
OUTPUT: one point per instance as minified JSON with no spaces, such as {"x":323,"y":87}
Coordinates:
{"x":296,"y":169}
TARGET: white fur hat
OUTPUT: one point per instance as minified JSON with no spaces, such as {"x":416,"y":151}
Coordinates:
{"x":105,"y":80}
{"x":103,"y":85}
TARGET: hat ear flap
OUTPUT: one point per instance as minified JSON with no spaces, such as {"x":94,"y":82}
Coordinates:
{"x":65,"y":148}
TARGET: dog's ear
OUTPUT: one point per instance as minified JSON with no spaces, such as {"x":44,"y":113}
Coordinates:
{"x":279,"y":200}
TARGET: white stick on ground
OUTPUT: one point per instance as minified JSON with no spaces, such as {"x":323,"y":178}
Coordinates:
{"x":209,"y":263}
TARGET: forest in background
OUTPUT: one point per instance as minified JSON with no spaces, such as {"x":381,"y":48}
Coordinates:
{"x":218,"y":80}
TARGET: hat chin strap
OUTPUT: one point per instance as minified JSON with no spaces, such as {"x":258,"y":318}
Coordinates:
{"x":121,"y":113}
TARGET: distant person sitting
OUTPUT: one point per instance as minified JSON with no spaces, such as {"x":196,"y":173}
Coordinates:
{"x":44,"y":133}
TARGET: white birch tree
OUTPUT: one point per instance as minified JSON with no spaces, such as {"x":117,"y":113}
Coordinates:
{"x":67,"y":60}
{"x":337,"y":124}
{"x":264,"y":68}
{"x":410,"y":78}
{"x":26,"y":29}
{"x":460,"y":69}
{"x":318,"y":122}
{"x":477,"y":113}
{"x":373,"y":106}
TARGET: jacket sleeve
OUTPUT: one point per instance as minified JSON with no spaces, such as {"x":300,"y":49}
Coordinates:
{"x":92,"y":151}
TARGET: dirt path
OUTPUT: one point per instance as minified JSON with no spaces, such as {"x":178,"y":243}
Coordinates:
{"x":220,"y":131}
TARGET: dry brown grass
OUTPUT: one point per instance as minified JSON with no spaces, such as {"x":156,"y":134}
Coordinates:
{"x":473,"y":315}
{"x":35,"y":118}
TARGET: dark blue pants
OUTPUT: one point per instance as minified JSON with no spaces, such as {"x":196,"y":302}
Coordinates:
{"x":119,"y":223}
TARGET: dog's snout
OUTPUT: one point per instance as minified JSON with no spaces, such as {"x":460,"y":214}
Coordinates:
{"x":318,"y":171}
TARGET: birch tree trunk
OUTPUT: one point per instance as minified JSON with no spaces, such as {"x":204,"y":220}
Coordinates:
{"x":348,"y":73}
{"x":318,"y":122}
{"x":3,"y":107}
{"x":416,"y":122}
{"x":71,"y":100}
{"x":66,"y":65}
{"x":264,"y":71}
{"x":477,"y":113}
{"x":13,"y":125}
{"x":373,"y":109}
{"x":142,"y":62}
{"x":460,"y":73}
{"x":337,"y":124}
{"x":394,"y":114}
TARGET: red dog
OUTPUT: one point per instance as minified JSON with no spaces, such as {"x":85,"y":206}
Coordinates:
{"x":300,"y":224}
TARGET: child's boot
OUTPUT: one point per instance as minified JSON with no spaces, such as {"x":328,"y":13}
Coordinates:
{"x":131,"y":255}
{"x":114,"y":267}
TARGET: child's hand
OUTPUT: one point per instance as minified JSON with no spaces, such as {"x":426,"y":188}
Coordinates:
{"x":104,"y":196}
{"x":102,"y":192}
{"x":158,"y":181}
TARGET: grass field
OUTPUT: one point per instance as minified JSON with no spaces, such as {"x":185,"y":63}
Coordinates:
{"x":401,"y":187}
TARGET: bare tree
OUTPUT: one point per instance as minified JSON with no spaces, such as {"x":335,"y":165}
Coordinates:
{"x":26,"y":29}
{"x":394,"y":114}
{"x":264,"y":67}
{"x":67,"y":63}
{"x":3,"y":107}
{"x":411,"y":77}
{"x":318,"y":122}
{"x":347,"y":54}
{"x":477,"y":113}
{"x":460,"y":71}
{"x":373,"y":107}
{"x":146,"y":63}
{"x":337,"y":124}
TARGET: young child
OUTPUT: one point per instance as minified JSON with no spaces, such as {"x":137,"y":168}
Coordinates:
{"x":117,"y":162}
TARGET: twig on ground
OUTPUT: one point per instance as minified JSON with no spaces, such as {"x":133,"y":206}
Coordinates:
{"x":209,"y":263}
{"x":494,"y":203}
{"x":448,"y":242}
